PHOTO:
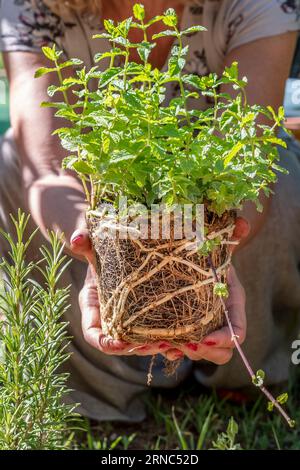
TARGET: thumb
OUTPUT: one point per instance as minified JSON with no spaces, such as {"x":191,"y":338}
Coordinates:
{"x":81,"y":245}
{"x":240,"y":233}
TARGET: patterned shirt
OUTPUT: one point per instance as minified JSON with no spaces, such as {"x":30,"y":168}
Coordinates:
{"x":229,"y":23}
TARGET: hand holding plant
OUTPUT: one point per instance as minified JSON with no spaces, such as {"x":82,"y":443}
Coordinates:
{"x":126,"y":140}
{"x":89,"y":305}
{"x":217,"y":347}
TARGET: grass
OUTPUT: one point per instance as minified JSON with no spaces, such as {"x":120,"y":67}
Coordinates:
{"x":191,"y":418}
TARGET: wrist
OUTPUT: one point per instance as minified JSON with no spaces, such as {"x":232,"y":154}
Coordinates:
{"x":56,"y":202}
{"x":255,"y":219}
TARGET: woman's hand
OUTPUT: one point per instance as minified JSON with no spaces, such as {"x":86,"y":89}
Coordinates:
{"x":217,"y":347}
{"x":89,"y":305}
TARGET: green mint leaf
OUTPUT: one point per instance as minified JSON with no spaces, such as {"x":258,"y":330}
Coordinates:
{"x":282,"y":399}
{"x":193,"y":80}
{"x":176,"y":65}
{"x":121,"y":41}
{"x":170,"y":18}
{"x":72,"y":81}
{"x":276,"y":141}
{"x":71,"y":62}
{"x":232,"y":72}
{"x":139,"y":11}
{"x":144,"y":50}
{"x":270,"y":406}
{"x":83,"y":168}
{"x":109,"y":26}
{"x":155,"y":20}
{"x":221,"y":289}
{"x":193,"y":30}
{"x":101,"y":36}
{"x":51,"y":53}
{"x":109,"y":75}
{"x":233,"y":152}
{"x":167,"y":32}
{"x":43,"y":71}
{"x":258,"y":379}
{"x":281,"y":114}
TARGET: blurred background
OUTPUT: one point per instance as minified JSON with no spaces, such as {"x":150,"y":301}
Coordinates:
{"x":4,"y":108}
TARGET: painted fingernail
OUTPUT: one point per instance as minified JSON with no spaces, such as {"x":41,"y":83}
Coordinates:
{"x":164,"y":345}
{"x":119,"y":345}
{"x":144,"y":348}
{"x":192,"y":346}
{"x":77,"y":239}
{"x":178,"y":354}
{"x":209,"y":343}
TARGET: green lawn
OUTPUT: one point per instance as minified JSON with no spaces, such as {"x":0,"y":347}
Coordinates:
{"x":193,"y":418}
{"x":186,"y":419}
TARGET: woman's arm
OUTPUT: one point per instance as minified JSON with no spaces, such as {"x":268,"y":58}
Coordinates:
{"x":266,"y":63}
{"x":53,"y":197}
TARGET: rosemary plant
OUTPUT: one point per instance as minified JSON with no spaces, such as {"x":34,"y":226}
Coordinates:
{"x":33,"y":342}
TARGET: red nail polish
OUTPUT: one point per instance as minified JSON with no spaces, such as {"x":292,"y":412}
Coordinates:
{"x":178,"y":354}
{"x":77,"y":239}
{"x":209,"y":343}
{"x":192,"y":346}
{"x":164,"y":345}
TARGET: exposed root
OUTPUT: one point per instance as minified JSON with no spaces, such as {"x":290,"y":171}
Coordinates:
{"x":171,"y":367}
{"x":155,"y":289}
{"x":150,"y":375}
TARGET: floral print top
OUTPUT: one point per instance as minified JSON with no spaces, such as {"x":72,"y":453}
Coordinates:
{"x":229,"y":23}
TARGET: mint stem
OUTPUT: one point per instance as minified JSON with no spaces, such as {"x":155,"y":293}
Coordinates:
{"x":241,"y":353}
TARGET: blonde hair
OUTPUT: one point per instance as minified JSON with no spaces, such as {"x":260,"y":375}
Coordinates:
{"x":81,"y":7}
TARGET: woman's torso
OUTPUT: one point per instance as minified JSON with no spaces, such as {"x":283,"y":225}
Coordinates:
{"x":229,"y":23}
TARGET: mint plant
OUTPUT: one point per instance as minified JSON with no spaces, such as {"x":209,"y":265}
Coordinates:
{"x":33,"y":340}
{"x":125,"y":139}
